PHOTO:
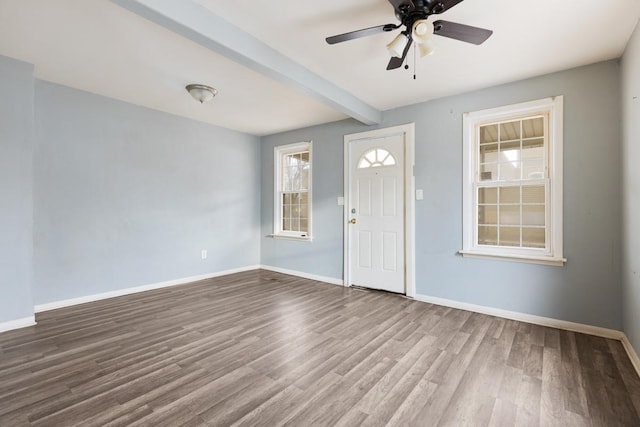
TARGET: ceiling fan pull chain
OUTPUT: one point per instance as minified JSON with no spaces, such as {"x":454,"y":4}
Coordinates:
{"x":415,"y":46}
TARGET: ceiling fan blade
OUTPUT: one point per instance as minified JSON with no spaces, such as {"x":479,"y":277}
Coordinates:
{"x":443,"y":6}
{"x":361,"y":33}
{"x":465,"y":33}
{"x":396,"y":62}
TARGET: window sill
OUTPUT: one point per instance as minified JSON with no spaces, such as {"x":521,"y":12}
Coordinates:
{"x":284,"y":237}
{"x":515,"y":258}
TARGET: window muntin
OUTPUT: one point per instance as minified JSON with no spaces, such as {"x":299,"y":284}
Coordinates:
{"x":292,"y":216}
{"x":513,"y":182}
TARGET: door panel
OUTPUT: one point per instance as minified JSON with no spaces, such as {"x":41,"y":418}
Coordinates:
{"x":389,"y":251}
{"x":364,"y":249}
{"x":364,"y":197}
{"x":389,"y":196}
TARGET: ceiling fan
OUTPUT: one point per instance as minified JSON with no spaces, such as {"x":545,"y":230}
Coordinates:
{"x":413,"y":16}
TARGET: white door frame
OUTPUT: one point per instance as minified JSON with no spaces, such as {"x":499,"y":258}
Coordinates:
{"x":408,"y":131}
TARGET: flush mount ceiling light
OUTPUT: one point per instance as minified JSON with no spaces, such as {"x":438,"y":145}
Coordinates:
{"x":201,"y":93}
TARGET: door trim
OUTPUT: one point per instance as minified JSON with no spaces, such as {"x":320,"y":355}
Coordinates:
{"x":408,"y":131}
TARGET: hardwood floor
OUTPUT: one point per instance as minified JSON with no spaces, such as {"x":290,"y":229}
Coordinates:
{"x":262,"y":348}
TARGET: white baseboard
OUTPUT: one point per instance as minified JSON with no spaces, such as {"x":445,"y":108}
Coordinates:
{"x":304,"y":275}
{"x":633,"y":356}
{"x":528,"y":318}
{"x":17,"y":324}
{"x":96,"y":297}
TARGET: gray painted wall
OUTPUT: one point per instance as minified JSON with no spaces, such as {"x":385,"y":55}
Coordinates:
{"x":586,"y":290}
{"x":127,"y":196}
{"x":16,"y":189}
{"x":631,"y":189}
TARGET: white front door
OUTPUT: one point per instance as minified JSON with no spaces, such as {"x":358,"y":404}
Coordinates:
{"x":376,"y":212}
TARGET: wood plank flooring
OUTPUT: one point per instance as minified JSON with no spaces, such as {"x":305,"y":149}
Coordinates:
{"x":262,"y":348}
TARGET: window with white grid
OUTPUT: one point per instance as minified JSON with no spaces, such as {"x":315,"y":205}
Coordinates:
{"x":513,"y":182}
{"x":292,"y":215}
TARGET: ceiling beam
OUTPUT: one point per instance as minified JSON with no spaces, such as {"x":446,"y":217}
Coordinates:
{"x":202,"y":26}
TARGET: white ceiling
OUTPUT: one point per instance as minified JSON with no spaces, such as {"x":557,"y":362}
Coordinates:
{"x":101,"y":47}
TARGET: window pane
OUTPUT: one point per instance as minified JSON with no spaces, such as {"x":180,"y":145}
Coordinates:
{"x":533,"y":215}
{"x":509,"y":236}
{"x":389,"y":161}
{"x":533,"y":194}
{"x":488,"y":134}
{"x":305,"y":157}
{"x":488,"y":214}
{"x":371,"y":156}
{"x":489,"y":153}
{"x":533,"y":237}
{"x":488,"y":172}
{"x":509,"y":194}
{"x":510,"y":130}
{"x":487,"y":195}
{"x":295,"y":224}
{"x":297,"y":178}
{"x":533,"y":127}
{"x":510,"y":171}
{"x":488,"y":235}
{"x":304,"y":178}
{"x":533,"y":169}
{"x":510,"y":151}
{"x":291,"y":160}
{"x":304,"y":225}
{"x":509,"y":215}
{"x":286,"y":179}
{"x":533,"y":148}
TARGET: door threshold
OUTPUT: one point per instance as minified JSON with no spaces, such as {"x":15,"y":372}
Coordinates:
{"x":364,"y":288}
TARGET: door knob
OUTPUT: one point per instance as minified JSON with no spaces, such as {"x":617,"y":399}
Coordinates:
{"x":353,"y":221}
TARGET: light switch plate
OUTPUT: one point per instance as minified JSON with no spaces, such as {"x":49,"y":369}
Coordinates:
{"x":419,"y":194}
{"x":340,"y":201}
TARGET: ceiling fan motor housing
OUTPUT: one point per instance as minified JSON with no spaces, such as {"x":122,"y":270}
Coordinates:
{"x":409,"y":12}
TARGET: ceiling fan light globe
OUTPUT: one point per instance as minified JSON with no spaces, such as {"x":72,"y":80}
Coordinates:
{"x":426,"y":48}
{"x":397,"y":45}
{"x":422,"y":28}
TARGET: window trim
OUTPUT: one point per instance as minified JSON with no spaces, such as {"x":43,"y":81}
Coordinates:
{"x":553,"y":106}
{"x":278,"y":153}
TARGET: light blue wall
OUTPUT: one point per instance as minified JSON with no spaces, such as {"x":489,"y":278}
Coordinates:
{"x":586,"y":290}
{"x":631,"y":189}
{"x":16,"y":189}
{"x":127,"y":196}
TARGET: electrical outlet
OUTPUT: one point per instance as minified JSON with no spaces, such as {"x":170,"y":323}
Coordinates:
{"x":203,"y":254}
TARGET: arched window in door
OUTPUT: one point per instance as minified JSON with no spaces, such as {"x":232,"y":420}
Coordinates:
{"x":376,"y":157}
